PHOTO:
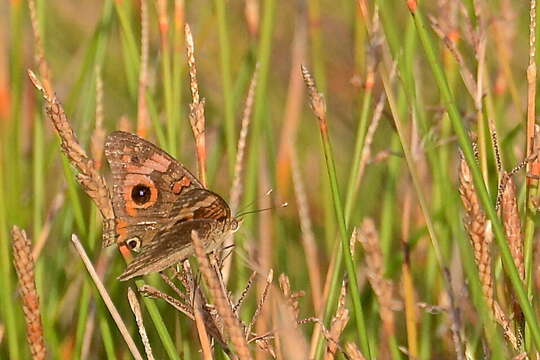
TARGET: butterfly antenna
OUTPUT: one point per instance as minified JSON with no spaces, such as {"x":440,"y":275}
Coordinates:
{"x":251,"y":203}
{"x":282,"y":205}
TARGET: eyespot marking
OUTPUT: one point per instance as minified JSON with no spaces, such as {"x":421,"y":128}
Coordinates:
{"x":140,"y":192}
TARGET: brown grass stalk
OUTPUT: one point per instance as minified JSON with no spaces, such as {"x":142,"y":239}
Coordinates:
{"x":223,"y":305}
{"x":88,"y":175}
{"x":136,"y":309}
{"x":293,"y":106}
{"x":407,"y":283}
{"x":531,"y":81}
{"x":142,"y":108}
{"x":196,"y":108}
{"x":308,"y":237}
{"x":24,"y":266}
{"x":236,"y":187}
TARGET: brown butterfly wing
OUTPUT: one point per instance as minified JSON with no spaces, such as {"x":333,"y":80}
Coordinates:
{"x":198,"y":209}
{"x":146,"y":184}
{"x":168,"y":248}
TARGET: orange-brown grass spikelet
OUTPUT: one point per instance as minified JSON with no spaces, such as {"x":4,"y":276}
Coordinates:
{"x":478,"y":230}
{"x":196,"y":108}
{"x":24,"y":265}
{"x":88,"y":176}
{"x":512,"y":223}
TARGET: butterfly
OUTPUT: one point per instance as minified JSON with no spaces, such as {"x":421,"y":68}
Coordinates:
{"x":157,"y":203}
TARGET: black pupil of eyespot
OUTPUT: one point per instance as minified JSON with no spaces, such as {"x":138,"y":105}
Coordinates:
{"x":140,"y":194}
{"x":132,"y":244}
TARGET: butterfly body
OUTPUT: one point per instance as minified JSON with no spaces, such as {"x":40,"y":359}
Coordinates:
{"x":157,"y":203}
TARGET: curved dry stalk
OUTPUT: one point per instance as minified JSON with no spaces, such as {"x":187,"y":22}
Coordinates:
{"x":106,"y":298}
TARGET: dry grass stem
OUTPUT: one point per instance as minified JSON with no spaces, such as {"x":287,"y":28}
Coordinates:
{"x":106,"y":299}
{"x":449,"y":42}
{"x":98,"y":137}
{"x":41,"y":62}
{"x":294,"y":103}
{"x":223,"y":306}
{"x":24,"y":265}
{"x":151,"y":292}
{"x":531,"y":81}
{"x":55,"y":206}
{"x":383,"y":288}
{"x":196,"y":108}
{"x":337,"y":325}
{"x":308,"y":237}
{"x":201,"y":328}
{"x":142,"y":108}
{"x":88,"y":175}
{"x":236,"y":187}
{"x":353,"y":352}
{"x":136,"y":309}
{"x":261,"y":302}
{"x":244,"y":293}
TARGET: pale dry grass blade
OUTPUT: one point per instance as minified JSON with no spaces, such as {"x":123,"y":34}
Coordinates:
{"x":24,"y":266}
{"x":106,"y":298}
{"x":136,"y":309}
{"x":55,"y":206}
{"x":201,"y":327}
{"x":142,"y":108}
{"x":98,"y":137}
{"x":308,"y":237}
{"x":236,"y":187}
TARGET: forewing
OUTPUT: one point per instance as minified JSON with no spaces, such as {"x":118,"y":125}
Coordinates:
{"x":138,"y":164}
